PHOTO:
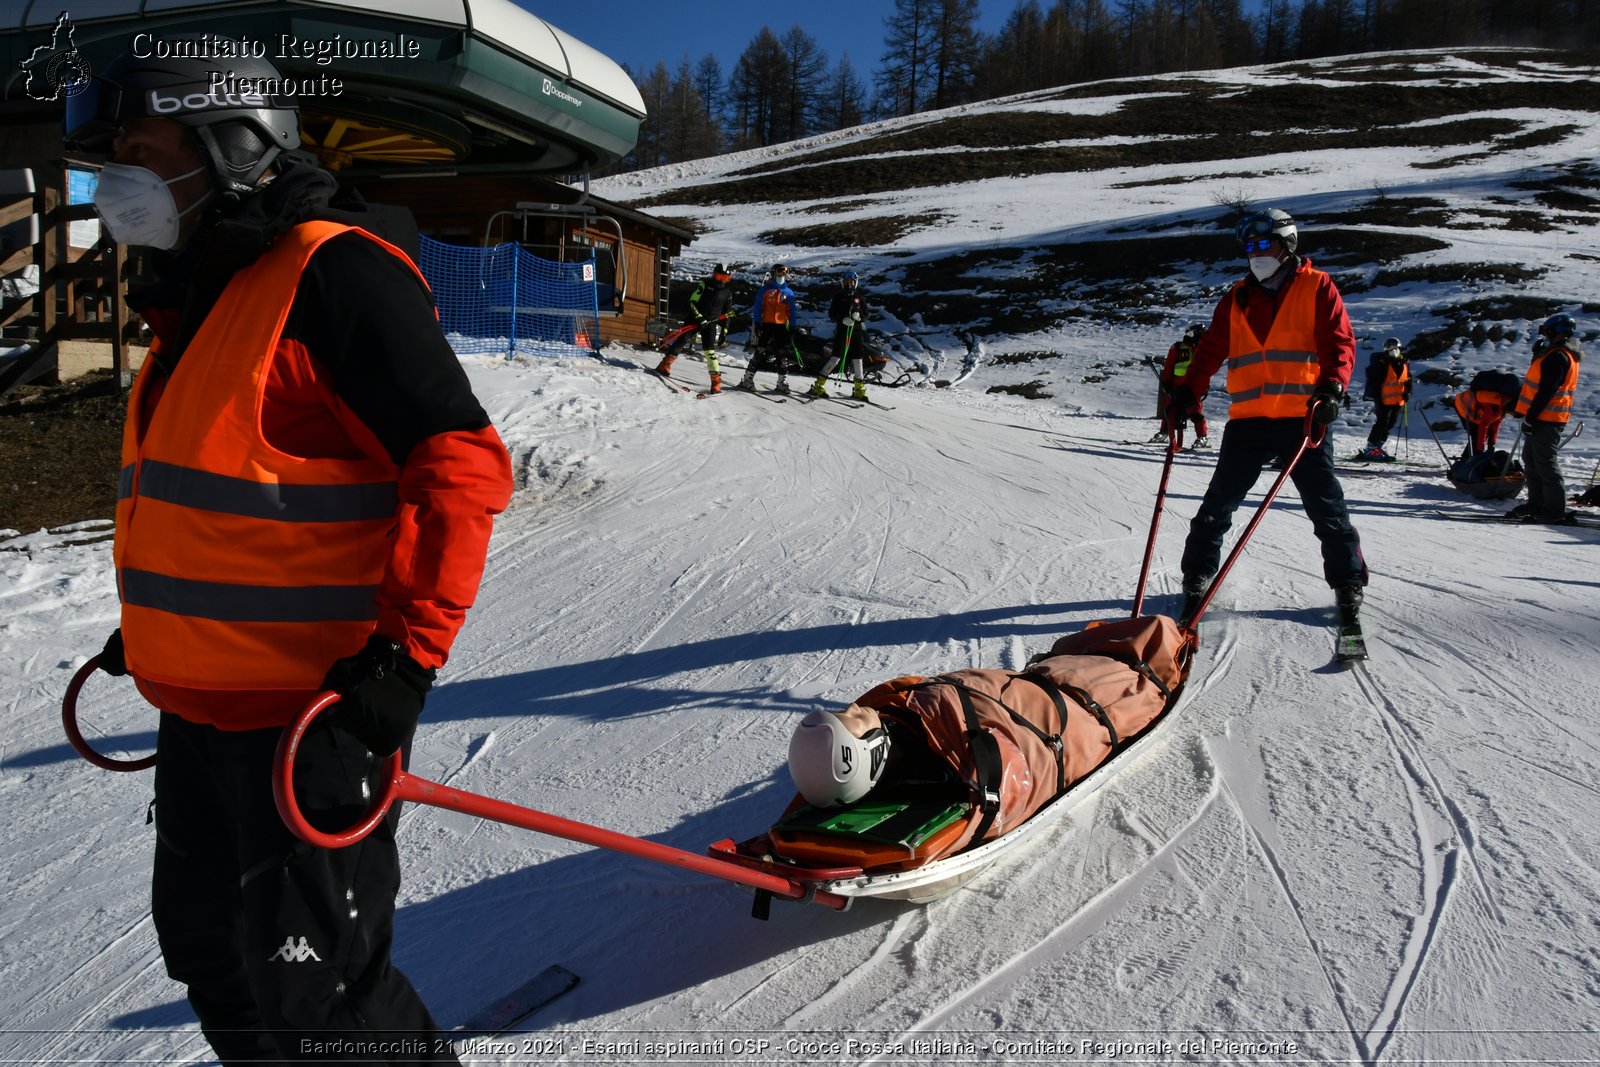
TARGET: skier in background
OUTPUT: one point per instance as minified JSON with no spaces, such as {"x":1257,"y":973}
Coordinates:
{"x":1544,"y":407}
{"x":1175,"y":372}
{"x":1284,"y":334}
{"x":773,"y":315}
{"x":848,"y":313}
{"x":708,"y":305}
{"x":1388,"y":387}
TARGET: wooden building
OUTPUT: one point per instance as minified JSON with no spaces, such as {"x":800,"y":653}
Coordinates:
{"x":477,"y":115}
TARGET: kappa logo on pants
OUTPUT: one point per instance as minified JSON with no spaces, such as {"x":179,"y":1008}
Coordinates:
{"x":289,"y":952}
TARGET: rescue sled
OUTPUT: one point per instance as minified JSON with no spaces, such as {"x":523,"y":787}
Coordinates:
{"x":921,"y":847}
{"x":916,"y":841}
{"x":1487,"y":476}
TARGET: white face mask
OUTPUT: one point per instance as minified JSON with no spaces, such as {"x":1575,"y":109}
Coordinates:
{"x":137,"y":207}
{"x":1264,"y":267}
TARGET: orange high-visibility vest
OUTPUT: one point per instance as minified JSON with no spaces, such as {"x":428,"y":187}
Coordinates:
{"x":240,"y":566}
{"x":1559,"y":410}
{"x":774,"y":307}
{"x":1393,"y":393}
{"x":1274,"y":376}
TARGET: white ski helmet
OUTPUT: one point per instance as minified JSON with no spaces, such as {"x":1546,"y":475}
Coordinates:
{"x":1273,"y":222}
{"x":830,"y":765}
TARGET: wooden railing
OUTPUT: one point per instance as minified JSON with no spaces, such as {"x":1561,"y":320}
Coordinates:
{"x":80,"y":295}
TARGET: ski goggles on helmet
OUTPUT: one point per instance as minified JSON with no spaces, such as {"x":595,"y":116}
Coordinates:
{"x":93,"y":116}
{"x":1260,"y":244}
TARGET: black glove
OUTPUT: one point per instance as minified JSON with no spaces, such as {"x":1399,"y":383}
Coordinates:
{"x":112,"y":660}
{"x":1325,"y":402}
{"x":1180,"y":403}
{"x":1528,"y":426}
{"x":381,"y":691}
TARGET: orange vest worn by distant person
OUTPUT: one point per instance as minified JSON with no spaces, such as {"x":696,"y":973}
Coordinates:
{"x":774,"y":306}
{"x":241,"y":567}
{"x":1559,"y":410}
{"x":1274,"y":376}
{"x":1394,"y":385}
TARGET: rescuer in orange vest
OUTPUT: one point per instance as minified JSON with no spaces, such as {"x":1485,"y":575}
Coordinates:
{"x":1284,"y":334}
{"x":308,"y":487}
{"x":1544,"y":406}
{"x":1389,"y":388}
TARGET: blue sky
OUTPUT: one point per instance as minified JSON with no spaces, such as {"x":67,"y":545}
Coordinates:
{"x":641,"y":34}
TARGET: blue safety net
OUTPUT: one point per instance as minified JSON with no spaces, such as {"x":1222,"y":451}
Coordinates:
{"x":506,"y":300}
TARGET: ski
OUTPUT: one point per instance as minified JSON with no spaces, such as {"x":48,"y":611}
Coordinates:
{"x":874,"y":403}
{"x":1350,"y":645}
{"x":842,"y":400}
{"x":1591,"y":522}
{"x":752,"y":392}
{"x":517,"y":1005}
{"x":1398,"y":464}
{"x":667,"y":381}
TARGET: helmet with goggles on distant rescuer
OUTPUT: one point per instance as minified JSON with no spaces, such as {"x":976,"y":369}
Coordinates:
{"x":1285,"y":337}
{"x":307,"y":495}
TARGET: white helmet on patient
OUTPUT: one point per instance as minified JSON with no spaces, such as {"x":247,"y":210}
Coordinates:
{"x":830,"y":765}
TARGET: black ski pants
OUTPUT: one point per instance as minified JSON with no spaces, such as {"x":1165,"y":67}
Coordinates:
{"x":1547,"y":494}
{"x":772,"y":343}
{"x":1248,"y":446}
{"x":1384,"y":418}
{"x":284,"y":947}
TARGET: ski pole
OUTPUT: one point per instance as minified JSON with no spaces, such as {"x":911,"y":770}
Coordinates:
{"x":1442,"y":453}
{"x":69,"y":722}
{"x":1174,"y":442}
{"x":403,"y":785}
{"x":1565,"y":441}
{"x":1306,"y":442}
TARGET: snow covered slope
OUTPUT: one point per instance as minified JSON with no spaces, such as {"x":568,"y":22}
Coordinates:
{"x":1395,"y":864}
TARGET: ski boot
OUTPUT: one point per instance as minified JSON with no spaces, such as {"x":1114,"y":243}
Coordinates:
{"x":1374,"y":454}
{"x":860,"y":391}
{"x":1350,"y":645}
{"x":1194,"y":591}
{"x":716,"y":384}
{"x":665,"y":366}
{"x":782,"y":386}
{"x":818,"y":389}
{"x":748,"y":382}
{"x":1201,"y":443}
{"x":1349,"y":600}
{"x":1157,"y":437}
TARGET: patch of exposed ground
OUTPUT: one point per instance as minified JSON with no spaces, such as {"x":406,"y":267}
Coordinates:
{"x":62,"y":446}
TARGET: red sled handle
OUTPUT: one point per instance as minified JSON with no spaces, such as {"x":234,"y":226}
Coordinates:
{"x":402,"y":785}
{"x":69,"y":723}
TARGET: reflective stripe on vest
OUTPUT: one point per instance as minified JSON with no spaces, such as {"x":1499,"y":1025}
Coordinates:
{"x":240,"y":566}
{"x":1274,"y":376}
{"x":1559,"y":409}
